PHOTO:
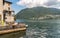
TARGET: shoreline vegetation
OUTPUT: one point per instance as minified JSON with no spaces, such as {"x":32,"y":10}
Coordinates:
{"x":47,"y":17}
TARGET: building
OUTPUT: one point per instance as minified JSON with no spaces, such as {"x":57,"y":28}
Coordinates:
{"x":6,"y":13}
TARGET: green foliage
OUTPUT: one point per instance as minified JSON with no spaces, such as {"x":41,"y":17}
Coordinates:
{"x":36,"y":12}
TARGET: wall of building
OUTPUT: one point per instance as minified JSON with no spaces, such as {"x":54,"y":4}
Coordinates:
{"x":7,"y":6}
{"x":1,"y":5}
{"x":1,"y":10}
{"x":9,"y":19}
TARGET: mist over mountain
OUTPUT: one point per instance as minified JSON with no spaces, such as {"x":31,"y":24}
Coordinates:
{"x":36,"y":12}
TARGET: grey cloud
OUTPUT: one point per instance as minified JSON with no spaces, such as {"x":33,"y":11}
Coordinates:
{"x":34,"y":3}
{"x":51,"y":2}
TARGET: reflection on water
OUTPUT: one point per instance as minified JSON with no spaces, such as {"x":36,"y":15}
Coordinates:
{"x":19,"y":34}
{"x":38,"y":29}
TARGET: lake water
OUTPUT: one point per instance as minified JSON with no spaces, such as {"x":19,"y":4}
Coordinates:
{"x":37,"y":29}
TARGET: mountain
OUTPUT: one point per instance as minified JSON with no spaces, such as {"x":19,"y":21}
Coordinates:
{"x":36,"y":12}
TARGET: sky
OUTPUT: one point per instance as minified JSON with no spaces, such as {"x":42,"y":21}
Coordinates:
{"x":18,"y":5}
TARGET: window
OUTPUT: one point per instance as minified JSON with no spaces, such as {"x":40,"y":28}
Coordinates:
{"x":0,"y":17}
{"x":8,"y":8}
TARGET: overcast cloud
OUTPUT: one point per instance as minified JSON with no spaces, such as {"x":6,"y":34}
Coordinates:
{"x":35,"y":3}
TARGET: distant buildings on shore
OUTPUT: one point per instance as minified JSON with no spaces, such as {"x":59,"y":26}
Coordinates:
{"x":46,"y":17}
